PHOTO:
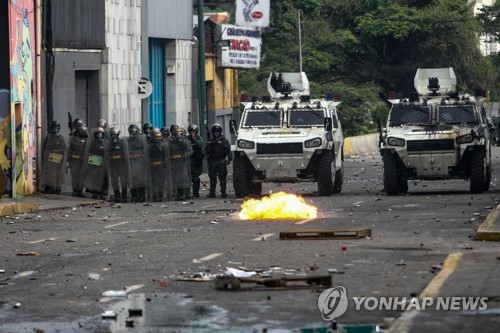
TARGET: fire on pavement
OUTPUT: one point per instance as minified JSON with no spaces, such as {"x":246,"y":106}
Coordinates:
{"x":278,"y":205}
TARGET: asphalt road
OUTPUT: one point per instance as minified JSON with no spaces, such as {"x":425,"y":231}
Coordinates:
{"x":149,"y":249}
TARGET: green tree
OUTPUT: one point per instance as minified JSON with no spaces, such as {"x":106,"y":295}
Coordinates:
{"x":369,"y":47}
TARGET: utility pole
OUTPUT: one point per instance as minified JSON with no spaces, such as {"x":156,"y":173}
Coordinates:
{"x":202,"y":98}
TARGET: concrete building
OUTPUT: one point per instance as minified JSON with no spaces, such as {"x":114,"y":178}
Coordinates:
{"x":222,"y":91}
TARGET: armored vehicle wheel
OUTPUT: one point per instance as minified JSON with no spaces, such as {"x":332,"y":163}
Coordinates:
{"x":256,"y":189}
{"x":325,"y":176}
{"x":488,"y":178}
{"x":391,"y":179}
{"x":241,"y":181}
{"x":478,"y":172}
{"x":339,"y":180}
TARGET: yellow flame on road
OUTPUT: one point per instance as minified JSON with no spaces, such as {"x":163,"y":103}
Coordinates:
{"x":279,"y":205}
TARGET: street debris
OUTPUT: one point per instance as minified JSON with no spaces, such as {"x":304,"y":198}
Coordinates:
{"x":109,"y":314}
{"x":161,"y":283}
{"x":36,"y":253}
{"x":346,"y":233}
{"x":238,"y":273}
{"x":344,"y":247}
{"x":94,"y":276}
{"x":197,"y":277}
{"x":278,"y":283}
{"x":436,"y":268}
{"x":401,"y":263}
{"x":115,"y":293}
{"x":17,"y":305}
{"x":2,"y":270}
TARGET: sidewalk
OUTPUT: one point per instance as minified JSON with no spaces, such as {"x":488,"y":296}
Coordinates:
{"x":40,"y":202}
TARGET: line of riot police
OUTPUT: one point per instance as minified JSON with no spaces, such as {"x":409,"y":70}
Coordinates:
{"x":156,"y":165}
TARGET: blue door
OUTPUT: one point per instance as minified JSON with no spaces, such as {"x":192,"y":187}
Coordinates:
{"x":156,"y":101}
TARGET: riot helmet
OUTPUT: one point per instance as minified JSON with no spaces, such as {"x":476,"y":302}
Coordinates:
{"x":133,"y":130}
{"x":114,"y":132}
{"x":156,"y":135}
{"x":193,"y":127}
{"x":178,"y":132}
{"x":216,"y":128}
{"x":102,"y":123}
{"x":99,"y":133}
{"x":78,"y":122}
{"x":172,"y":129}
{"x":165,"y":132}
{"x":147,"y":128}
{"x":54,"y":127}
{"x":82,"y":131}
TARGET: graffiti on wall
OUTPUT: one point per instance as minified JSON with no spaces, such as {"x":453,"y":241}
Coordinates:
{"x":22,"y":98}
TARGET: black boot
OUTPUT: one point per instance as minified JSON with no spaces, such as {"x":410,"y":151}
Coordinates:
{"x":196,"y":188}
{"x":212,"y":190}
{"x":223,"y":193}
{"x":124,"y":196}
{"x":117,"y":196}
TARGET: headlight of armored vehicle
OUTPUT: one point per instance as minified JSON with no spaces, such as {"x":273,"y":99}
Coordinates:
{"x":245,"y":144}
{"x":392,"y":141}
{"x":467,"y":138}
{"x":316,"y":142}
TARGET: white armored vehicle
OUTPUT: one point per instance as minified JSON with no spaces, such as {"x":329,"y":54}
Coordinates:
{"x":288,"y":137}
{"x":436,"y":134}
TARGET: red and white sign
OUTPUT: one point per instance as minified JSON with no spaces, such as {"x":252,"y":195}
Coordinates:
{"x":252,"y":13}
{"x":244,"y":47}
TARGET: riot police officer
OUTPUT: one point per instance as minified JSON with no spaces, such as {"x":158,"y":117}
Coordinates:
{"x":139,"y":164}
{"x":198,"y":147}
{"x":76,"y":153}
{"x":180,"y":151}
{"x":147,"y":130}
{"x":54,"y":156}
{"x":118,"y":165}
{"x":158,"y":159}
{"x":95,"y":164}
{"x":219,"y":156}
{"x":104,"y":125}
{"x":172,"y":129}
{"x":165,"y":133}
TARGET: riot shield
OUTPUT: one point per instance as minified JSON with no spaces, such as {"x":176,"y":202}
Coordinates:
{"x":54,"y":158}
{"x":95,"y":164}
{"x":139,"y":178}
{"x":159,"y":167}
{"x":76,"y":152}
{"x":118,"y":164}
{"x":180,"y":164}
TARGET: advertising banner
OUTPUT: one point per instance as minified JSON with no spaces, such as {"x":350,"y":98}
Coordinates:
{"x":239,"y":47}
{"x":252,"y":13}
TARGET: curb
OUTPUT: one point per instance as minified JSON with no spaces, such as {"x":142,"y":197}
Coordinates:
{"x":14,"y":208}
{"x":17,"y":208}
{"x":488,"y":231}
{"x":361,"y":145}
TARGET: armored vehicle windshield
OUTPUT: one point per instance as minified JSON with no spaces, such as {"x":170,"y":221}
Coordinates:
{"x":410,"y":114}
